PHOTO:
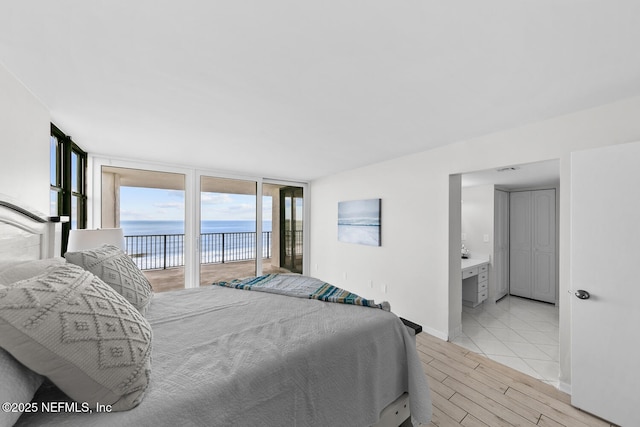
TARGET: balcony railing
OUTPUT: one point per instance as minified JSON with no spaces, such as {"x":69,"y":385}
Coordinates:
{"x":162,"y":251}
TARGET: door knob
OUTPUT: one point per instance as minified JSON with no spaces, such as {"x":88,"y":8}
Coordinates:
{"x":582,"y":294}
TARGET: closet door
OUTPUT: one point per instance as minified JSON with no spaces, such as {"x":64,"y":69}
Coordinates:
{"x":544,"y":245}
{"x":533,"y":245}
{"x":520,"y":244}
{"x":501,"y":250}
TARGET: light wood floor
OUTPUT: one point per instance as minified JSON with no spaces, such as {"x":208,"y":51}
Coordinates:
{"x":471,"y":390}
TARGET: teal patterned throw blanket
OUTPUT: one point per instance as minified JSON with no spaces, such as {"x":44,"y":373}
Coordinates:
{"x":295,"y":285}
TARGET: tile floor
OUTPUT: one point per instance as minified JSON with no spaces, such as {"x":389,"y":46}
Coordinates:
{"x":516,"y":332}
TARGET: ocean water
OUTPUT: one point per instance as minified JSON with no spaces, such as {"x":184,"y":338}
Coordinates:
{"x":141,"y":228}
{"x":160,"y":244}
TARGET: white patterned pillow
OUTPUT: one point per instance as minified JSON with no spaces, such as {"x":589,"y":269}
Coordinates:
{"x":13,"y":272}
{"x":117,"y":270}
{"x":69,"y":326}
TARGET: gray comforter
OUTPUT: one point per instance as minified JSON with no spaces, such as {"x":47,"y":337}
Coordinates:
{"x":224,"y":357}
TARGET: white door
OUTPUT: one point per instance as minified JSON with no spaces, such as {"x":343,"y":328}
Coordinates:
{"x":533,"y":245}
{"x":501,"y":241}
{"x":543,"y":232}
{"x":520,"y":244}
{"x":605,"y":253}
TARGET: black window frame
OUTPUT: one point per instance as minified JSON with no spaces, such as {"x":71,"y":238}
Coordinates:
{"x":64,"y":185}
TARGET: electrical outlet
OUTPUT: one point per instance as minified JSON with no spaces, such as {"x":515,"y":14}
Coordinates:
{"x":344,"y":275}
{"x":485,"y":238}
{"x":371,"y":284}
{"x":384,"y":289}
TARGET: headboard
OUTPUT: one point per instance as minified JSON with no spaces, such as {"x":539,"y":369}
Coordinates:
{"x":26,"y":234}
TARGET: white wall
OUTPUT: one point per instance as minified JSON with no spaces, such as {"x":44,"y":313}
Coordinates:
{"x":24,"y":141}
{"x":414,"y":258}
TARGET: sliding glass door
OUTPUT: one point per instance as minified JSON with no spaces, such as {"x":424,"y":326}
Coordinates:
{"x":230,"y":236}
{"x":190,"y":228}
{"x":150,"y":208}
{"x":283,"y":212}
{"x":227,"y":229}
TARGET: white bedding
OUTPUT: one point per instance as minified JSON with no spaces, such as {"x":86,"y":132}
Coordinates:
{"x":229,"y":357}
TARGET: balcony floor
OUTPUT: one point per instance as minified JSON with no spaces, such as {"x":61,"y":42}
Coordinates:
{"x":173,"y":278}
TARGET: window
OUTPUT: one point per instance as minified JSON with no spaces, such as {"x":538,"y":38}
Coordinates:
{"x":68,"y":195}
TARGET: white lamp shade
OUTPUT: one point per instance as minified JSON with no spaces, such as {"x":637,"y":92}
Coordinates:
{"x":80,"y":240}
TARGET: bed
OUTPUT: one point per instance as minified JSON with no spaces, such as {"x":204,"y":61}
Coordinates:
{"x":225,"y":356}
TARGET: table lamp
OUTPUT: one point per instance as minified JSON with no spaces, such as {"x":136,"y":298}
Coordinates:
{"x":90,"y":239}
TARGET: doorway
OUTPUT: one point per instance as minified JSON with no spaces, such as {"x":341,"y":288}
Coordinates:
{"x":291,"y":228}
{"x":519,"y":333}
{"x":284,"y":213}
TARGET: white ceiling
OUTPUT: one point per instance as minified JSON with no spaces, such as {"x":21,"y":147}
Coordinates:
{"x":510,"y":177}
{"x":301,"y":89}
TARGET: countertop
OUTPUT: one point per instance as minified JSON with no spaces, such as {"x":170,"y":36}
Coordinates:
{"x":473,"y":262}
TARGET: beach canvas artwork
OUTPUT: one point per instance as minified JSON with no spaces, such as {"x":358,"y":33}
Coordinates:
{"x":359,"y":222}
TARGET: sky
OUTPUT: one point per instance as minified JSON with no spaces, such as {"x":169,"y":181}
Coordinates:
{"x":357,"y":209}
{"x":151,"y":204}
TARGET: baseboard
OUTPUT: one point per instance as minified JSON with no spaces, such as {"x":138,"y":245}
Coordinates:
{"x":435,"y":333}
{"x":565,"y":387}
